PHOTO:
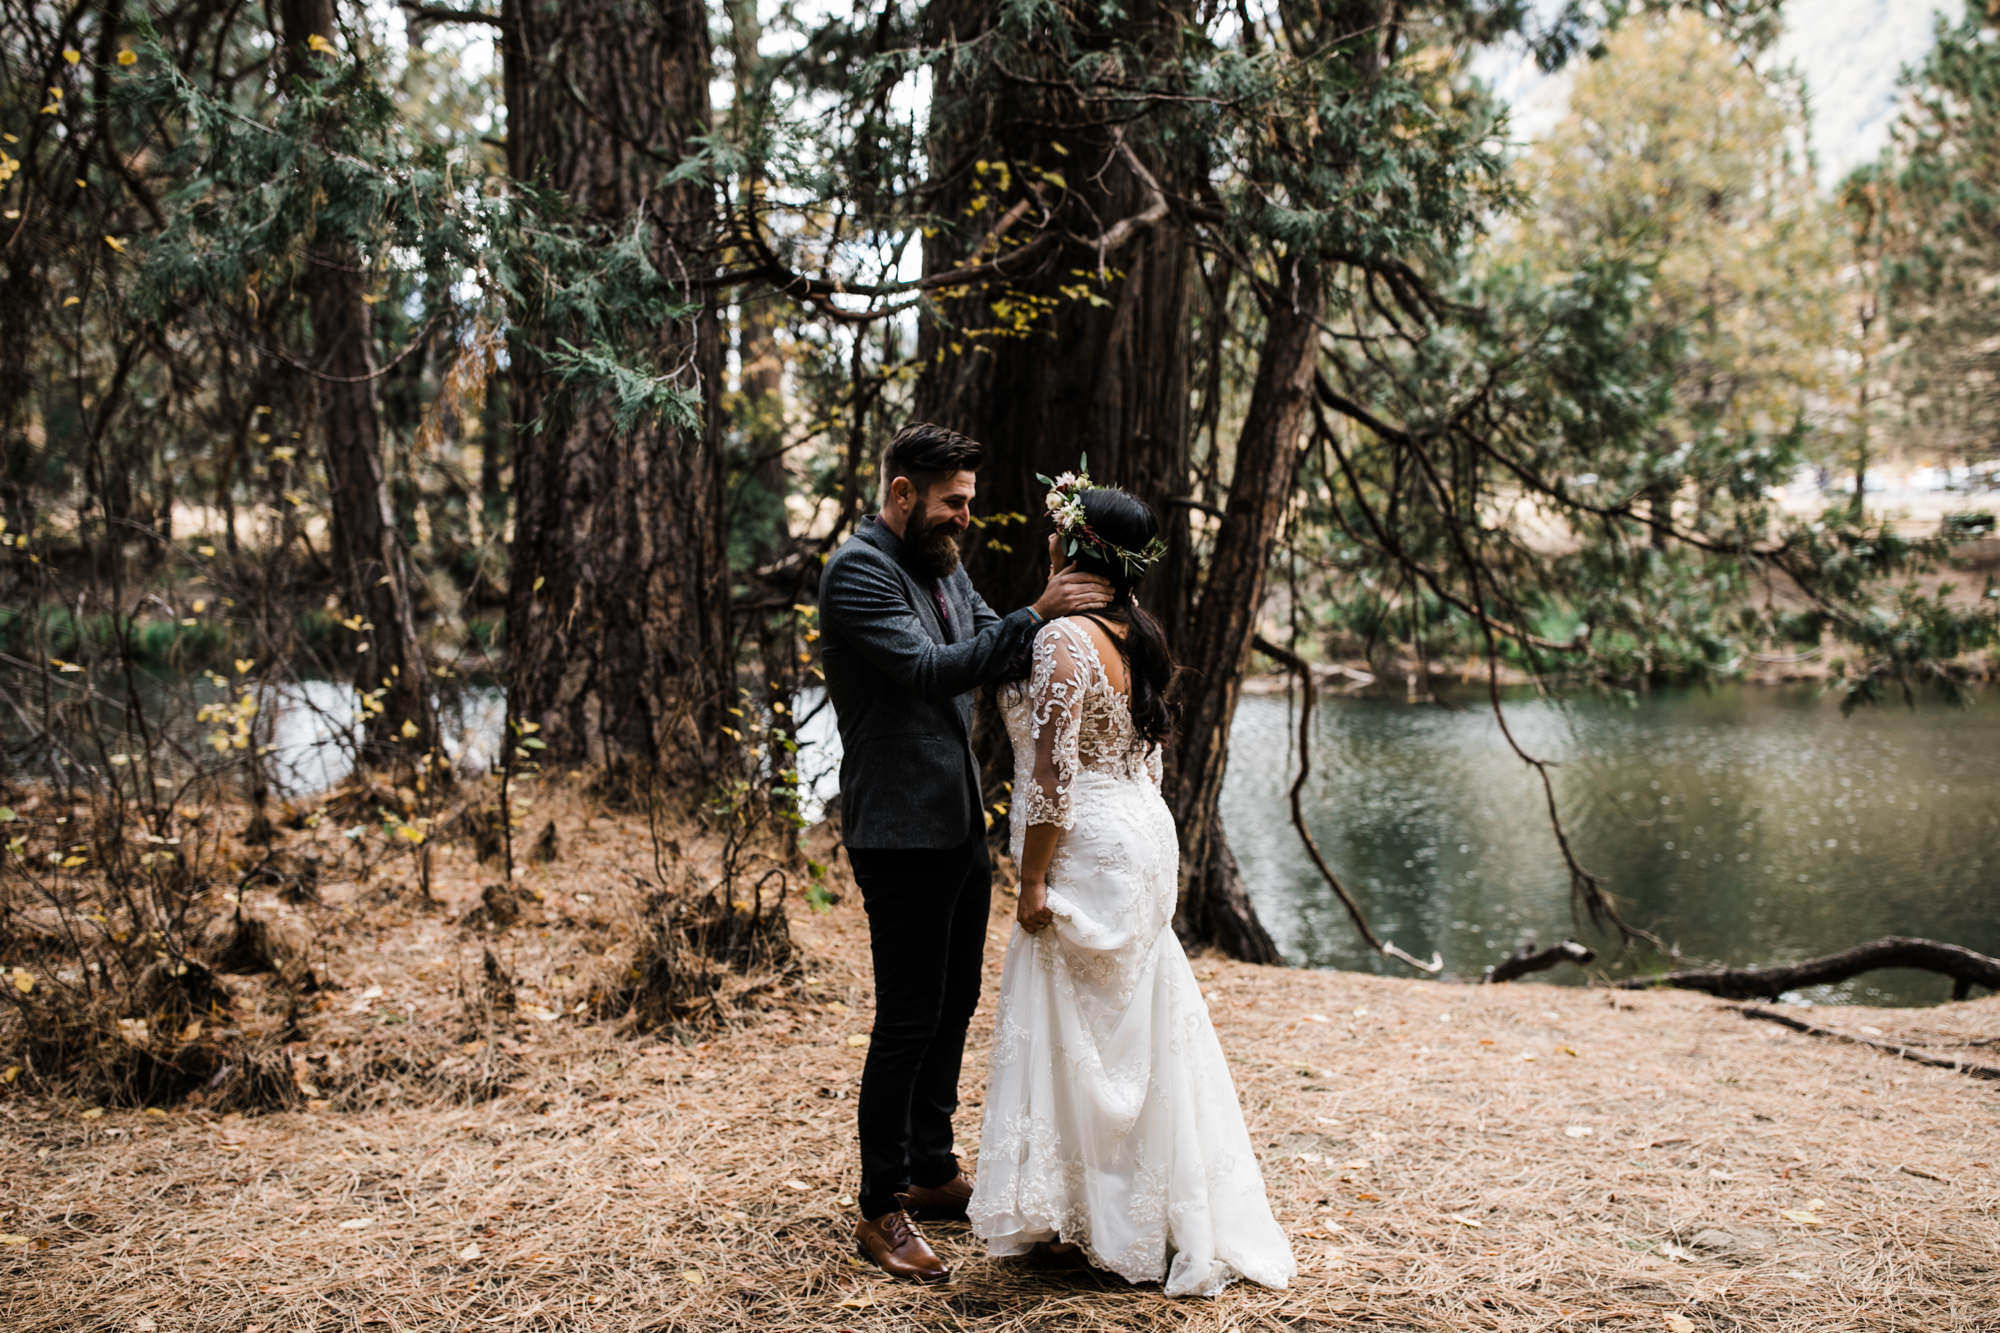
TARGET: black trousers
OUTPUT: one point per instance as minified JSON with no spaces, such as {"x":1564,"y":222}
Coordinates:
{"x":927,"y":933}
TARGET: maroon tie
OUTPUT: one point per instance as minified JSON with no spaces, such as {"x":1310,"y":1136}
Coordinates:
{"x":943,"y":610}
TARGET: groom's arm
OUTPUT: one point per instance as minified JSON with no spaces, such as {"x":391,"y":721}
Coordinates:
{"x":864,"y":604}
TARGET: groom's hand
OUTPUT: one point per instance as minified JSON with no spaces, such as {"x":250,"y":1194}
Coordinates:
{"x":1032,"y":911}
{"x":1070,"y":589}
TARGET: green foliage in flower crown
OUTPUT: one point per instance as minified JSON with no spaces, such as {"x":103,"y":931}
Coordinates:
{"x":1065,"y":506}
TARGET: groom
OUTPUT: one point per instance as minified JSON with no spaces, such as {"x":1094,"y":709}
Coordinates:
{"x":905,"y":642}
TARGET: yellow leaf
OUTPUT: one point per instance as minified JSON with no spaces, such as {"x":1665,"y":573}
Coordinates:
{"x":69,"y":301}
{"x":11,"y":1238}
{"x":71,"y":54}
{"x":243,"y":665}
{"x":857,"y":1039}
{"x":10,"y":1073}
{"x":94,"y":1113}
{"x":24,"y":981}
{"x":1800,"y":1216}
{"x":861,"y":1300}
{"x":128,"y":57}
{"x":1679,"y":1323}
{"x":539,"y":581}
{"x":72,"y":862}
{"x":409,"y":730}
{"x":115,"y":244}
{"x":692,"y":1276}
{"x":319,"y":43}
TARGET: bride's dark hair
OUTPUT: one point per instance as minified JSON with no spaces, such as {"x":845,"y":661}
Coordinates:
{"x":1123,"y":519}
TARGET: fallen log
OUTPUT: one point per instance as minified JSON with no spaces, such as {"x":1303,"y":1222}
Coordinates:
{"x":1966,"y":967}
{"x":1527,"y":959}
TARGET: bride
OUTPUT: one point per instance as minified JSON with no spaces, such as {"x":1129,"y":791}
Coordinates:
{"x":1111,"y":1123}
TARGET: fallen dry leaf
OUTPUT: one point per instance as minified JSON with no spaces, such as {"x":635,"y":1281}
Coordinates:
{"x":356,"y":1223}
{"x":470,"y":1252}
{"x":1680,"y":1323}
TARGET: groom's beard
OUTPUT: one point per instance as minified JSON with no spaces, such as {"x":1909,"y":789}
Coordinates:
{"x":932,"y":547}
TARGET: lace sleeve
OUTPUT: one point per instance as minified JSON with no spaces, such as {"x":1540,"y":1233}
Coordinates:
{"x":1156,"y":768}
{"x":1056,"y":682}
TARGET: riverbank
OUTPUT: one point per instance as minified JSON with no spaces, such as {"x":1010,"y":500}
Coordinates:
{"x":1445,"y":1157}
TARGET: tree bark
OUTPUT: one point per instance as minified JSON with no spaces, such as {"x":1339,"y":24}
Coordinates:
{"x":618,"y":604}
{"x":1965,"y":967}
{"x":1108,"y":378}
{"x":375,"y":579}
{"x":1214,"y":906}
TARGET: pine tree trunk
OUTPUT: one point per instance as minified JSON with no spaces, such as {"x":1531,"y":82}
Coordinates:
{"x":618,"y":604}
{"x":389,"y":667}
{"x":1106,"y":379}
{"x":1214,"y":907}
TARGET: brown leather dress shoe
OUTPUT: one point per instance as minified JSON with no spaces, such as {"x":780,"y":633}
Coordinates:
{"x":939,"y":1203}
{"x":893,"y":1244}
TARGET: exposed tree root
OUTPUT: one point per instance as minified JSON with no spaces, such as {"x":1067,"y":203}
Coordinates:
{"x":1901,"y":1052}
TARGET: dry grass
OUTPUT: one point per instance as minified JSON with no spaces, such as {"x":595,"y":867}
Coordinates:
{"x":1521,"y":1158}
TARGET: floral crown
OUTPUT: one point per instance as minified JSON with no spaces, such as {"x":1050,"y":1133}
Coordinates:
{"x":1065,"y":506}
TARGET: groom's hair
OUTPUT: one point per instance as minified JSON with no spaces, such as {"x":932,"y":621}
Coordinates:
{"x":924,"y":451}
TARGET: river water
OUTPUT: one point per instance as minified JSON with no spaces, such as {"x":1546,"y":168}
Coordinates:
{"x":1744,"y":824}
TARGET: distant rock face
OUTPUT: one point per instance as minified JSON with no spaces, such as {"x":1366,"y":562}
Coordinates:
{"x":1851,"y":52}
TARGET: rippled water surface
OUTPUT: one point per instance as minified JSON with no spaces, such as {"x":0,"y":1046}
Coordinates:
{"x":1745,"y":824}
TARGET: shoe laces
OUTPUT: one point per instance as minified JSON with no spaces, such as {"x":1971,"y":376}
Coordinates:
{"x":899,"y":1228}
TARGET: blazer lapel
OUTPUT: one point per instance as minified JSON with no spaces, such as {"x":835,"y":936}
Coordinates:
{"x":887,"y":542}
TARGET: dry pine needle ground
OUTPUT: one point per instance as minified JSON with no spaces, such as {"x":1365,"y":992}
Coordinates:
{"x":1520,"y":1158}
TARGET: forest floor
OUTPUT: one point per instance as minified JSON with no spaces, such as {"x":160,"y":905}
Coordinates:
{"x":1520,"y":1158}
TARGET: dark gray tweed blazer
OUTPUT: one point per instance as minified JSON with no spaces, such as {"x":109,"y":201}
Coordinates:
{"x":902,"y":686}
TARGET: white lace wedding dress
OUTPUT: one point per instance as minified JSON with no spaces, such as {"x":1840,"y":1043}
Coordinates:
{"x":1111,"y":1121}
